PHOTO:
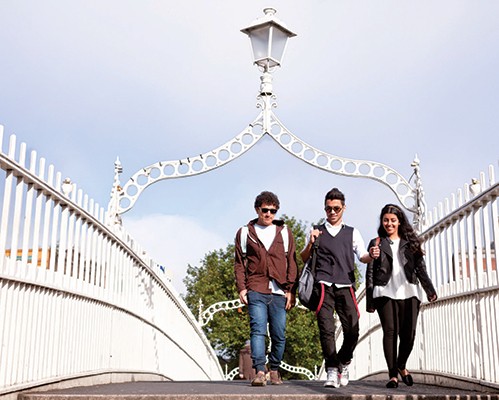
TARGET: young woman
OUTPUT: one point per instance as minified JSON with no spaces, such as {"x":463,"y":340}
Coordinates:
{"x":393,"y":281}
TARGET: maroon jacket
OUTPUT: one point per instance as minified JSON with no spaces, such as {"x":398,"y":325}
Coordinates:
{"x":262,"y":265}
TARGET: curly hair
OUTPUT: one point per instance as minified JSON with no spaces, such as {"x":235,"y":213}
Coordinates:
{"x":405,"y":230}
{"x":267,"y":198}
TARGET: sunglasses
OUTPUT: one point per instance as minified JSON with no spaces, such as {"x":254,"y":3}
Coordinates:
{"x":266,"y":210}
{"x":336,"y":209}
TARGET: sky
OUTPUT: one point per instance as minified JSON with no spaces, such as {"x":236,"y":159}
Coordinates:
{"x":83,"y":82}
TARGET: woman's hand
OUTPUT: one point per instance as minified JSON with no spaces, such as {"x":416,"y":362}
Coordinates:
{"x":374,"y":252}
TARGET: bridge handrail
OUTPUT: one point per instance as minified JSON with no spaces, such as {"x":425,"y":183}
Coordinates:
{"x":457,"y":336}
{"x":76,"y":295}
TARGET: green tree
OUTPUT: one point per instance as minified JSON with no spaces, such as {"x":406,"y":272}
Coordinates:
{"x":213,"y":281}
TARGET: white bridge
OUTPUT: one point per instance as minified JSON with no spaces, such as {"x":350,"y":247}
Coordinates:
{"x":78,"y":300}
{"x":81,"y":303}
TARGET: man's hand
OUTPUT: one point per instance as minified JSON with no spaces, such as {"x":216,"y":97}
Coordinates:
{"x":290,"y":300}
{"x":243,"y":296}
{"x":314,"y":234}
{"x":305,"y":254}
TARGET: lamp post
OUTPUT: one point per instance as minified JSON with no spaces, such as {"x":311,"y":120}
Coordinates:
{"x":268,"y":37}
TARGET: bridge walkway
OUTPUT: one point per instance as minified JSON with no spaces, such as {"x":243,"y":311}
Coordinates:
{"x":241,"y":390}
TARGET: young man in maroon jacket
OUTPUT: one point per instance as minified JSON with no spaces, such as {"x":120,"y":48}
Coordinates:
{"x":266,"y":277}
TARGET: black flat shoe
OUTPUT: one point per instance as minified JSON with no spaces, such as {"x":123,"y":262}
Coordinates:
{"x":407,"y":379}
{"x":392,"y":384}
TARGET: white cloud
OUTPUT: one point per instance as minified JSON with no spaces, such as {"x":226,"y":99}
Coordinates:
{"x":174,"y":242}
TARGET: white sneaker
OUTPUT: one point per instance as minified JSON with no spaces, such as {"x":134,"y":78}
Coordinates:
{"x":344,"y":376}
{"x":333,"y":378}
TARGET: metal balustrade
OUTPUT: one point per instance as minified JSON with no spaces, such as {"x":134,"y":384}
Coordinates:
{"x":79,"y":298}
{"x":457,"y":336}
{"x":205,"y":316}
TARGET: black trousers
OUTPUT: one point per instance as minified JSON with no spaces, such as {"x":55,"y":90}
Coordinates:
{"x":341,"y":300}
{"x":398,"y":319}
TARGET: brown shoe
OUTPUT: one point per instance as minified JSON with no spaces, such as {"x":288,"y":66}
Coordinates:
{"x":275,"y":378}
{"x":260,"y":379}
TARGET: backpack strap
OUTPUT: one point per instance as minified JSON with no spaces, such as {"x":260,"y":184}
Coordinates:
{"x":244,"y":239}
{"x":285,"y":238}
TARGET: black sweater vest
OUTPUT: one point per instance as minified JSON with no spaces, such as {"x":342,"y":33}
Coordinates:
{"x":335,"y":259}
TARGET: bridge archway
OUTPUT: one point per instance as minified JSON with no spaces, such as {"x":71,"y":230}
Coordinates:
{"x":123,"y":198}
{"x":268,"y":36}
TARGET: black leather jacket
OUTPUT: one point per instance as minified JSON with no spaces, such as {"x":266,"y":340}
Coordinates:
{"x":379,"y":271}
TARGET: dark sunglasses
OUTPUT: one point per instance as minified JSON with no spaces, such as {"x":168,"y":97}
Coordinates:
{"x":336,"y":209}
{"x":266,"y":210}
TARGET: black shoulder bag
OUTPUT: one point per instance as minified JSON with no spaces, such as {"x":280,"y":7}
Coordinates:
{"x":307,"y":292}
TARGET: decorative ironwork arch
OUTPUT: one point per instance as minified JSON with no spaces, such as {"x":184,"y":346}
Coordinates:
{"x":207,"y":315}
{"x":291,"y":368}
{"x":124,"y":198}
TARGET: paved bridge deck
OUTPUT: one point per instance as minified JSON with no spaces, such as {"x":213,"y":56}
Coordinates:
{"x":241,"y":390}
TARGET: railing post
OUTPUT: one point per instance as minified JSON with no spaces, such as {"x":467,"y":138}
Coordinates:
{"x":420,"y":207}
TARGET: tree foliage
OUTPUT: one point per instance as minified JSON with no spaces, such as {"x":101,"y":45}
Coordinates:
{"x":213,"y":281}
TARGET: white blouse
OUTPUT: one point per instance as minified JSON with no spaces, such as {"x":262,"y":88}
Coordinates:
{"x":398,"y":287}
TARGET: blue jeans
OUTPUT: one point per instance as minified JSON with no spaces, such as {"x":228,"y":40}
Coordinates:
{"x":263,"y":309}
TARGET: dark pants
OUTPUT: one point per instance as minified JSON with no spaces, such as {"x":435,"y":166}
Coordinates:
{"x":398,"y":319}
{"x":341,"y":300}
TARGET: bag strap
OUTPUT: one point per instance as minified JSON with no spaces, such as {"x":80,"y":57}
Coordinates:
{"x":245,"y":233}
{"x":244,"y":239}
{"x":315,"y":246}
{"x":285,"y":238}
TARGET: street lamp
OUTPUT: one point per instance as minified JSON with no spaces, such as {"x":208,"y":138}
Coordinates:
{"x":269,"y":37}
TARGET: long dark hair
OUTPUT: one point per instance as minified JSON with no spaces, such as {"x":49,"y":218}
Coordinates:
{"x":405,"y":231}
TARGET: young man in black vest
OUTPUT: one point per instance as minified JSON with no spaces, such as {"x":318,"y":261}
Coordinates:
{"x":335,"y":277}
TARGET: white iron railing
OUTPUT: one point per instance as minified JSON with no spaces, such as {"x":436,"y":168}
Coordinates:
{"x":458,"y":335}
{"x":79,"y":298}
